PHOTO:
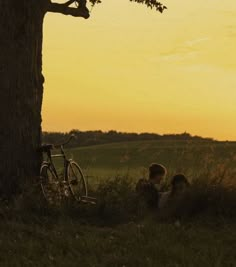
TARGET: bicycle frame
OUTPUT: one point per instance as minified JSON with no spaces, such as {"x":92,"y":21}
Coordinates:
{"x":50,"y":156}
{"x":49,"y":161}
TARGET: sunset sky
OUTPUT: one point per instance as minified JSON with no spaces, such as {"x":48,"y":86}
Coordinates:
{"x":129,"y":68}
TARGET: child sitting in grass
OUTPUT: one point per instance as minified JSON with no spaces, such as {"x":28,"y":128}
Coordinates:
{"x":179,"y":184}
{"x":147,"y":188}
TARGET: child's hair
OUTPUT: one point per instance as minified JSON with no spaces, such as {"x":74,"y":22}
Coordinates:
{"x":178,"y":179}
{"x":156,"y":169}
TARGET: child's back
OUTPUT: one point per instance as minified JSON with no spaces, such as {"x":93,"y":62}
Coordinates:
{"x":148,"y":192}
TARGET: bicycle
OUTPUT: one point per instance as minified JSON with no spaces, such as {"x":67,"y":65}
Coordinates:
{"x":72,"y":176}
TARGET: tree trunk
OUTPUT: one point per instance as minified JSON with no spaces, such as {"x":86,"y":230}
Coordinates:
{"x":21,"y":91}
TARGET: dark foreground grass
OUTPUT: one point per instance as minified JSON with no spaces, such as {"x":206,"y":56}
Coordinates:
{"x":69,"y":242}
{"x":198,"y":229}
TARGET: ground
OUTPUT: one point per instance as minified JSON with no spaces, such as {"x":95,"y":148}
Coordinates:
{"x":31,"y":237}
{"x":68,"y":242}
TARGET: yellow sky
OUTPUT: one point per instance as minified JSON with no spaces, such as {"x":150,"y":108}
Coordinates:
{"x":132,"y":69}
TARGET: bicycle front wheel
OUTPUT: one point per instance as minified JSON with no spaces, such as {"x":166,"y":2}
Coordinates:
{"x":76,"y":180}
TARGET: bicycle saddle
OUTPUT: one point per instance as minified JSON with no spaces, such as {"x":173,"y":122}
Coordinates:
{"x":46,"y":147}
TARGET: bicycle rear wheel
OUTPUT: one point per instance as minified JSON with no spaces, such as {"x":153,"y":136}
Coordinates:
{"x":50,"y":184}
{"x":76,"y":180}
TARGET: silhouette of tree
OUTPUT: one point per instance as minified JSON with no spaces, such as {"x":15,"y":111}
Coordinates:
{"x":21,"y":84}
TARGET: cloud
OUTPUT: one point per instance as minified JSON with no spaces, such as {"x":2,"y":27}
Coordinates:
{"x":197,"y":41}
{"x":185,"y":51}
{"x":179,"y":56}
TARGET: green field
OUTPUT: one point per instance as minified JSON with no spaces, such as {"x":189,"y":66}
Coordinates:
{"x":133,"y":158}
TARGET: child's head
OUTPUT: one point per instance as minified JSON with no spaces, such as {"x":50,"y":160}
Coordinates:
{"x":179,"y":183}
{"x":157,"y":172}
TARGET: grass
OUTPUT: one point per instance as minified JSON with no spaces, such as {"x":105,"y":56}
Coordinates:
{"x":132,"y":158}
{"x":198,"y":229}
{"x":66,"y":242}
{"x":116,"y":235}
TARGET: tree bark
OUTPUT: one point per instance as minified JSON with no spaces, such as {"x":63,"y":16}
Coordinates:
{"x":21,"y":92}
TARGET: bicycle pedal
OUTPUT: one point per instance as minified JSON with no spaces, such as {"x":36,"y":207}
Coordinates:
{"x":88,"y":202}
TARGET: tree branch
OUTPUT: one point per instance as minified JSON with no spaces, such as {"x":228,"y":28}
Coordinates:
{"x":68,"y":3}
{"x":66,"y":10}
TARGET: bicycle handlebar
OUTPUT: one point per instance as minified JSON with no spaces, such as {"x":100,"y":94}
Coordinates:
{"x":65,"y":143}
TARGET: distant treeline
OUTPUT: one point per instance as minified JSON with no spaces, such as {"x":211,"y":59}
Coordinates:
{"x":89,"y":138}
